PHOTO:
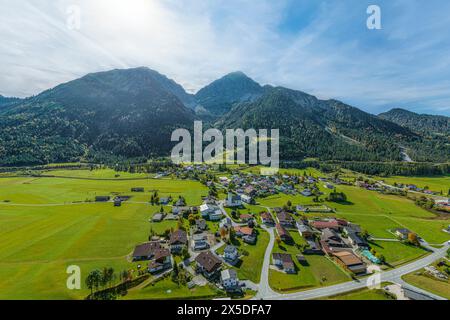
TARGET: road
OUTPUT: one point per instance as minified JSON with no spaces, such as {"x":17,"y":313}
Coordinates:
{"x":385,"y":276}
{"x":264,"y":287}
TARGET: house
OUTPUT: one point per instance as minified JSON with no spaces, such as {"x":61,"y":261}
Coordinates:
{"x":211,"y":212}
{"x":243,"y":231}
{"x":200,"y":241}
{"x":249,"y":239}
{"x":229,"y":280}
{"x":201,"y":225}
{"x":307,"y":193}
{"x":231,"y":254}
{"x":267,"y":219}
{"x":313,"y":247}
{"x":162,"y":261}
{"x":283,"y":234}
{"x":158,"y":217}
{"x":139,"y":189}
{"x":180,"y":202}
{"x":284,"y":262}
{"x":233,"y":200}
{"x":225,"y":223}
{"x":216,"y":215}
{"x":302,"y":260}
{"x":328,"y":186}
{"x":246,"y":217}
{"x":304,"y":230}
{"x":247,"y":199}
{"x":331,"y":241}
{"x":146,"y":251}
{"x":102,"y":198}
{"x":350,"y":261}
{"x":286,"y":220}
{"x":178,"y":241}
{"x":117,"y":202}
{"x":402,"y":233}
{"x":326,"y":224}
{"x":357,"y":241}
{"x":180,"y":210}
{"x":164,"y":201}
{"x":208,"y":264}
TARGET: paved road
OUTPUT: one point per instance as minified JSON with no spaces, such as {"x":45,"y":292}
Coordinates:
{"x":385,"y":276}
{"x":264,"y":287}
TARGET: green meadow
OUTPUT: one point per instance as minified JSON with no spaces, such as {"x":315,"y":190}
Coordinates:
{"x":50,"y":223}
{"x":43,"y":230}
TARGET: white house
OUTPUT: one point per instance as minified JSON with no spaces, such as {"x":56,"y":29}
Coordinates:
{"x":216,"y":215}
{"x":247,"y":199}
{"x":306,"y":193}
{"x":229,"y":279}
{"x":211,"y":212}
{"x":200,"y":241}
{"x":233,"y":200}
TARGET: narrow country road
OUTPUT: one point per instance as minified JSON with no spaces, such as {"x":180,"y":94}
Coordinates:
{"x":264,"y":287}
{"x":385,"y":276}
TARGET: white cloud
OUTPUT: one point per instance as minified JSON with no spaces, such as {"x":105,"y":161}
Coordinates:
{"x":195,"y":42}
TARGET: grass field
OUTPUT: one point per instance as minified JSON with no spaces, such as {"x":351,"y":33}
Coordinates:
{"x":47,"y":224}
{"x":363,"y":294}
{"x":40,"y":239}
{"x":436,"y":183}
{"x":397,"y":253}
{"x":441,"y":288}
{"x":320,"y":271}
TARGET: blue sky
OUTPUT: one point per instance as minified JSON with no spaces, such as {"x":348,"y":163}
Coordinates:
{"x":320,"y":47}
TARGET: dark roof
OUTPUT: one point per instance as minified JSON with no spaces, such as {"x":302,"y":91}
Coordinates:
{"x":282,"y":232}
{"x":284,"y":216}
{"x":208,"y":261}
{"x":178,"y":237}
{"x":161,"y":253}
{"x":146,"y":249}
{"x":285,"y":259}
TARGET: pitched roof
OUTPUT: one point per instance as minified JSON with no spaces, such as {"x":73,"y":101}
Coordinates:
{"x":228,"y":274}
{"x":282,"y":232}
{"x":244,"y":230}
{"x":208,"y":261}
{"x":332,"y":224}
{"x":178,"y":237}
{"x":284,"y":216}
{"x":146,"y":249}
{"x":348,"y":258}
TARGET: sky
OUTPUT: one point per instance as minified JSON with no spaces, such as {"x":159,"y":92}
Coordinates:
{"x":321,"y":47}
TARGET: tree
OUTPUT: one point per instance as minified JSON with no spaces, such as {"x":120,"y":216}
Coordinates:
{"x":93,"y":280}
{"x":175,"y":273}
{"x":278,"y":240}
{"x":413,"y":239}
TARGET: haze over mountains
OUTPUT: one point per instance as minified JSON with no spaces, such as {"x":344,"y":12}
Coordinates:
{"x":132,"y":113}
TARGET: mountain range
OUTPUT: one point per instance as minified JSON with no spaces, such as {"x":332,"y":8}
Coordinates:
{"x":132,"y":113}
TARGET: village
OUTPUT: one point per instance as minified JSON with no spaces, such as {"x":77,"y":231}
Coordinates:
{"x":206,"y":247}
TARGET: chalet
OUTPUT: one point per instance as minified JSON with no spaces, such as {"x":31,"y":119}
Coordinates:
{"x":357,"y":241}
{"x":164,"y":201}
{"x":331,"y":241}
{"x":246,"y":217}
{"x":208,"y":264}
{"x":211,"y":212}
{"x":146,"y":251}
{"x":216,"y":215}
{"x":200,"y":225}
{"x":200,"y":241}
{"x":229,"y":280}
{"x":247,"y":199}
{"x":178,"y":241}
{"x":350,"y":261}
{"x":162,"y":261}
{"x":304,"y":230}
{"x":283,"y":234}
{"x":301,"y":259}
{"x":249,"y":239}
{"x":181,"y":210}
{"x":139,"y":189}
{"x":243,"y":231}
{"x":402,"y":233}
{"x":180,"y":202}
{"x":230,"y":254}
{"x":313,"y":247}
{"x":307,"y":193}
{"x":284,"y":262}
{"x":102,"y":198}
{"x":267,"y":219}
{"x":326,"y":224}
{"x":286,"y":219}
{"x":117,"y":202}
{"x":158,"y":217}
{"x":233,"y":200}
{"x":225,"y":223}
{"x":328,"y":186}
